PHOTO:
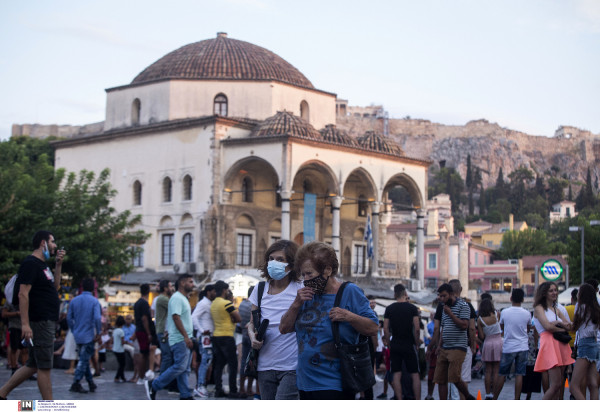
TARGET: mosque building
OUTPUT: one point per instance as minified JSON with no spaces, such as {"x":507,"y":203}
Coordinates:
{"x":223,"y":147}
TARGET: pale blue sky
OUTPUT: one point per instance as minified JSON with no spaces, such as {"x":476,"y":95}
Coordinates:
{"x":526,"y":65}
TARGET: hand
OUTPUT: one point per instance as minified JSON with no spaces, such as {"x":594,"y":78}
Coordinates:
{"x":340,"y":315}
{"x":60,"y":255}
{"x":188,"y":343}
{"x":26,"y":332}
{"x":305,"y":294}
{"x":447,"y":309}
{"x":256,"y":344}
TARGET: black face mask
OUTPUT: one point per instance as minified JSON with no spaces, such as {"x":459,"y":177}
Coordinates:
{"x":317,"y":284}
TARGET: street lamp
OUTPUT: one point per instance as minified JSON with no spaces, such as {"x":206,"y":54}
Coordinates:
{"x":581,"y":228}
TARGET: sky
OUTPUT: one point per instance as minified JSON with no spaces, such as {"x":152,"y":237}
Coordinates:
{"x":528,"y":65}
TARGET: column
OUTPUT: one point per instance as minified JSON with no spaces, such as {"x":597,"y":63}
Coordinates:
{"x":375,"y":228}
{"x":336,"y":203}
{"x":285,"y":214}
{"x":421,"y":247}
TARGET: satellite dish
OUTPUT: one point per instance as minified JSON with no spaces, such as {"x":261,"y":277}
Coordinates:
{"x":176,"y":268}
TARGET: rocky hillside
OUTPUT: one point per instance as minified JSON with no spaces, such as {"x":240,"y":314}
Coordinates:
{"x":490,"y":146}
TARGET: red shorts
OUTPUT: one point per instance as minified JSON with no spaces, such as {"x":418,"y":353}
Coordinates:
{"x":143,"y":341}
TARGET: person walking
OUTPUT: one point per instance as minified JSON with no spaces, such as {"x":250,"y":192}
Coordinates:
{"x":84,"y":319}
{"x":515,"y":322}
{"x":204,"y":325}
{"x":454,"y":342}
{"x":278,"y":356}
{"x":180,"y":331}
{"x":39,"y":306}
{"x":586,"y":323}
{"x":549,"y":316}
{"x":402,"y":320}
{"x":166,"y":290}
{"x":224,"y":316}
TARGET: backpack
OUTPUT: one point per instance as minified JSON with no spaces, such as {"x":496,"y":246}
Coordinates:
{"x":11,"y":292}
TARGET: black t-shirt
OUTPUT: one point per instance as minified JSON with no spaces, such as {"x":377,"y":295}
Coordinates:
{"x":400,"y":315}
{"x":44,"y":303}
{"x":140,"y":309}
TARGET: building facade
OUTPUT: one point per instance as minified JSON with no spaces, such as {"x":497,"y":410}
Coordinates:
{"x":223,"y":147}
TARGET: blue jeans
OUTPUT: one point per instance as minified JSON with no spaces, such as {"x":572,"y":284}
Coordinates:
{"x":166,"y":357}
{"x":178,"y":370}
{"x":86,"y":351}
{"x":518,"y":358}
{"x":207,"y":355}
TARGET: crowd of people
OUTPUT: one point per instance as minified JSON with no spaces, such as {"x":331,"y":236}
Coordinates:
{"x":280,"y":341}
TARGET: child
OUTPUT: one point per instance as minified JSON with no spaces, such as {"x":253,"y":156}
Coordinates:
{"x":118,"y":340}
{"x":104,"y":343}
{"x":387,"y":380}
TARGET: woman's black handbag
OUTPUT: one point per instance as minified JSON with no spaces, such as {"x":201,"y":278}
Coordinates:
{"x":562,"y":336}
{"x":356,"y":368}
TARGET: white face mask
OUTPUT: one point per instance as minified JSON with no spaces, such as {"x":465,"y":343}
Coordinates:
{"x":276,"y":269}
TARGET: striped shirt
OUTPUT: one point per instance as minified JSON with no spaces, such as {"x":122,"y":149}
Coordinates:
{"x":454,"y":337}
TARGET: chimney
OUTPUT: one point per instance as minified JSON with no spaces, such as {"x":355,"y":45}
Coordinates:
{"x":222,"y":34}
{"x":511,"y":222}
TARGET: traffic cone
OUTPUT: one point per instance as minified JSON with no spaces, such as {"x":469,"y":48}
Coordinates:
{"x":567,"y":383}
{"x":479,"y":395}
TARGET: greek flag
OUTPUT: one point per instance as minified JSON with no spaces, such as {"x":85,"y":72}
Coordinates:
{"x":369,"y":237}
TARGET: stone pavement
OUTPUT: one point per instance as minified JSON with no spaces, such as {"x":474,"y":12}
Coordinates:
{"x":107,"y":389}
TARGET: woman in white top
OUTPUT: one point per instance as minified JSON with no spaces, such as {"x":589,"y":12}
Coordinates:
{"x":278,"y":356}
{"x":587,"y":319}
{"x":548,"y":317}
{"x":489,"y":329}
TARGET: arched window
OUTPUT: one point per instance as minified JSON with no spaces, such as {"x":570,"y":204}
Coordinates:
{"x":187,"y":252}
{"x":167,"y":190}
{"x":247,"y":190}
{"x":187,"y":187}
{"x":137,"y":193}
{"x":221,"y":104}
{"x":136,"y":107}
{"x":304,"y":113}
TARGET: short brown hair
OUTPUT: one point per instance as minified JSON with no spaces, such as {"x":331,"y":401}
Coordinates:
{"x":289,"y":249}
{"x":320,"y":254}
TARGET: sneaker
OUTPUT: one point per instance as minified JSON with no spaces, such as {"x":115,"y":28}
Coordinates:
{"x":201,"y":392}
{"x":382,"y":396}
{"x":140,"y":381}
{"x":76,"y":387}
{"x":489,"y":397}
{"x":149,"y":375}
{"x":92,"y":386}
{"x":429,"y":398}
{"x":378,"y":379}
{"x":150,"y":392}
{"x":256,"y":397}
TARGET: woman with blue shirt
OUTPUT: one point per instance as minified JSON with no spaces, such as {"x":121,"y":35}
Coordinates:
{"x":310,"y":316}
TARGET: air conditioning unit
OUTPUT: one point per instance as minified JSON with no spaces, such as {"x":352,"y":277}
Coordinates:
{"x":194,"y":268}
{"x":176,"y":268}
{"x":513,"y":261}
{"x":191,"y":268}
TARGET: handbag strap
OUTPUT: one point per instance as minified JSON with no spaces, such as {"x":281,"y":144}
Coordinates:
{"x":261,"y":290}
{"x":335,"y":326}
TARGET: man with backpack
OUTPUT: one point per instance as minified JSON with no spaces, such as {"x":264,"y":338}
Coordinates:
{"x":37,"y":288}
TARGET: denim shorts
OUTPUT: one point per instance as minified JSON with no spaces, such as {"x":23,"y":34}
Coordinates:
{"x":519,"y":359}
{"x":587,"y":348}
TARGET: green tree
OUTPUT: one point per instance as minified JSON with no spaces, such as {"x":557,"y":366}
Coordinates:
{"x":501,"y":191}
{"x":556,"y":190}
{"x":28,"y":184}
{"x":516,"y":244}
{"x":469,"y":178}
{"x":447,"y":180}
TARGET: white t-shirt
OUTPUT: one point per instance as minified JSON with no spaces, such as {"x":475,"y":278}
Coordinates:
{"x":551,"y":316}
{"x":117,"y":345}
{"x":515,"y":320}
{"x":279,"y":352}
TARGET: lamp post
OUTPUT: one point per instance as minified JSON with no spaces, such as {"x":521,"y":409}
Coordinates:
{"x":582,"y":229}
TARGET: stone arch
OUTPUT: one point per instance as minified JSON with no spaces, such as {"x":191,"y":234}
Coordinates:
{"x":407,"y":182}
{"x":304,"y":111}
{"x":187,"y":219}
{"x":255,"y":172}
{"x":166,"y":221}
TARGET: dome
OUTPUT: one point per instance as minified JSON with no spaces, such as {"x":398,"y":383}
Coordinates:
{"x":332,"y":134}
{"x":379,"y":143}
{"x":285,"y":123}
{"x":223,"y":58}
